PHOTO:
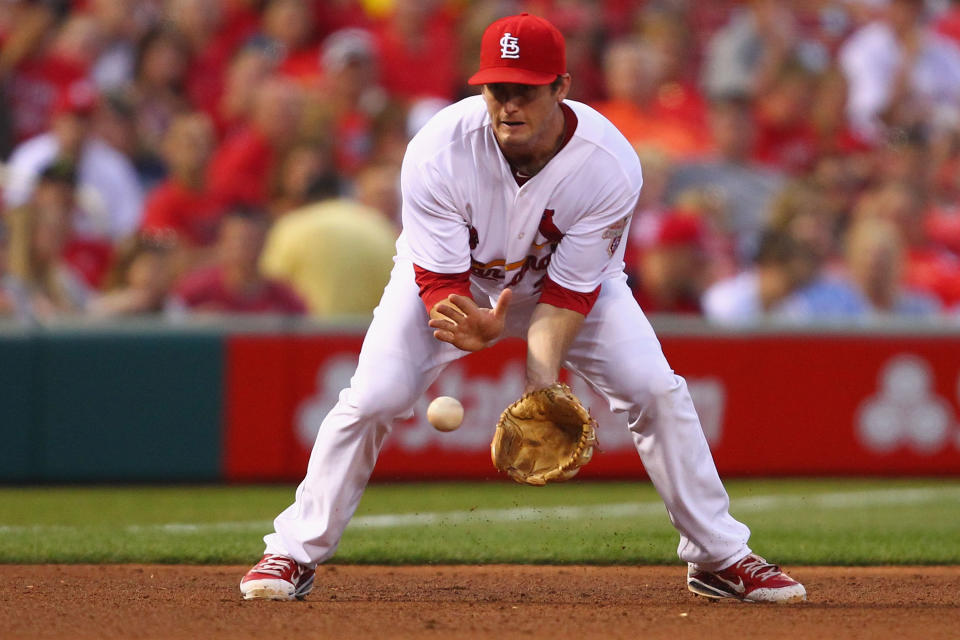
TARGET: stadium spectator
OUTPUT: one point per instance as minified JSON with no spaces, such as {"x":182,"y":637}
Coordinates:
{"x":741,"y":190}
{"x":836,"y":179}
{"x":41,"y":67}
{"x":234,"y":284}
{"x":247,"y":71}
{"x":181,"y":207}
{"x":24,"y":30}
{"x":582,"y":27}
{"x":744,"y":56}
{"x":648,"y":114}
{"x":336,"y":254}
{"x":44,"y":285}
{"x":821,"y":295}
{"x":929,"y":268}
{"x":287,"y":29}
{"x":377,"y":185}
{"x":801,"y":209}
{"x":300,"y":168}
{"x":158,"y":88}
{"x":418,"y":51}
{"x":215,"y":31}
{"x":786,"y":139}
{"x":670,"y":275}
{"x":139,"y":281}
{"x":828,"y":116}
{"x":822,"y":291}
{"x":900,"y":73}
{"x":756,"y":294}
{"x":875,"y":262}
{"x":349,"y":100}
{"x":119,"y":27}
{"x":244,"y":168}
{"x":113,"y":200}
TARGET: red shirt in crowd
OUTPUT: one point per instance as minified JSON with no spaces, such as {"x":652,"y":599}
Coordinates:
{"x":191,"y":215}
{"x":241,"y":169}
{"x":205,"y":290}
{"x":426,"y":67}
{"x":90,"y":259}
{"x":934,"y":271}
{"x":333,"y":15}
{"x":791,"y":147}
{"x":674,"y":121}
{"x":949,"y":23}
{"x":302,"y":66}
{"x":34,"y":90}
{"x":208,"y":67}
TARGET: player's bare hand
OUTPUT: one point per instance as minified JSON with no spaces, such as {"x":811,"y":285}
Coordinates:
{"x":459,"y":321}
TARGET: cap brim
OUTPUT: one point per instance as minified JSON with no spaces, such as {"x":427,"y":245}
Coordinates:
{"x":511,"y":74}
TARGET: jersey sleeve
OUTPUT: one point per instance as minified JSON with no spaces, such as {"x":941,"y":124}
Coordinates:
{"x":593,"y":246}
{"x":557,"y":296}
{"x":435,"y":287}
{"x":436,"y":233}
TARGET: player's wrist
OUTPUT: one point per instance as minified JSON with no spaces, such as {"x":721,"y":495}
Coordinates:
{"x":539,"y":380}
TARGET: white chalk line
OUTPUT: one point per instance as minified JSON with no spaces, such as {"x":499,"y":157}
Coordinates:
{"x":834,"y":500}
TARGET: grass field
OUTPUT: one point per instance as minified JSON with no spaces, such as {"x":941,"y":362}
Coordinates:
{"x":841,"y":522}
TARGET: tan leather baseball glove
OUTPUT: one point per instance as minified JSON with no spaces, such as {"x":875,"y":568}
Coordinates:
{"x":545,"y":436}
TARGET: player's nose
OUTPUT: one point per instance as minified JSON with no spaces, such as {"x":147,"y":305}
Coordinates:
{"x":511,"y":107}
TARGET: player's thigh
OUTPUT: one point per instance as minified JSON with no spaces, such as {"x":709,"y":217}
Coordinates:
{"x":400,"y":357}
{"x":618,"y":352}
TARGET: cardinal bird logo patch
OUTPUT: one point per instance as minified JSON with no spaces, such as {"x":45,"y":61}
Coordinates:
{"x":548,"y":229}
{"x":614,"y":233}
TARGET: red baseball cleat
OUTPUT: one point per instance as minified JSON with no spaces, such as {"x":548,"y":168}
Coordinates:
{"x":277,"y":578}
{"x":752,"y":579}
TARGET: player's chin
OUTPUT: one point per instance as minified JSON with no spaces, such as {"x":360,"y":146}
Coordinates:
{"x":514,"y":138}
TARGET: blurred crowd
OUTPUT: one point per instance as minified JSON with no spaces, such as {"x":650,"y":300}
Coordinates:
{"x":801,"y":159}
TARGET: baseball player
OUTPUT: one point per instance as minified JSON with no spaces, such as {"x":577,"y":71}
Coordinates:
{"x":515,"y":204}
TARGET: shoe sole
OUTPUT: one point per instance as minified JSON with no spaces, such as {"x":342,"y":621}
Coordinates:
{"x":706,"y":591}
{"x":698,"y":588}
{"x":272,"y":590}
{"x":267,"y":594}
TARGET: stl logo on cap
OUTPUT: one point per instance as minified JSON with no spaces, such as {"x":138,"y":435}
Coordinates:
{"x":544,"y":52}
{"x":509,"y":47}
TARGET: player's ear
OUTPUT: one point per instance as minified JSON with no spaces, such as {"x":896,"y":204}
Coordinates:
{"x":562,"y":84}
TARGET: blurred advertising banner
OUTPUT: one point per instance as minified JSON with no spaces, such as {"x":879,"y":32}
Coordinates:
{"x":769,"y":405}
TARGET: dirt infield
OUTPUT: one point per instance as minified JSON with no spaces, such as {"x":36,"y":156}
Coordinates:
{"x":160,"y":601}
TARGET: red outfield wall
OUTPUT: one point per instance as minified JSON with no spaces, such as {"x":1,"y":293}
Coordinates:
{"x":770,"y":405}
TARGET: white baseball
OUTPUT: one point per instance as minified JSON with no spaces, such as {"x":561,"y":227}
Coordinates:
{"x":445,"y":413}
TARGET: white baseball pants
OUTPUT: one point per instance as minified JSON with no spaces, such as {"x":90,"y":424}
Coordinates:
{"x":616,"y":351}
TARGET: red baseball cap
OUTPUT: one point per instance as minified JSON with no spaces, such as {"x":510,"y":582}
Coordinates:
{"x":79,"y":98}
{"x":678,"y":228}
{"x":524,"y":49}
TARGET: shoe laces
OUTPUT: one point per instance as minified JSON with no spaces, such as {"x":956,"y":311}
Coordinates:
{"x":274,"y":565}
{"x":757,"y":567}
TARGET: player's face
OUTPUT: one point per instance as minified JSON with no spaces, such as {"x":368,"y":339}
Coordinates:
{"x":525,"y":116}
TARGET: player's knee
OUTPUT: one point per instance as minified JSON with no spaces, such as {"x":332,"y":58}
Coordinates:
{"x":647,"y":392}
{"x":381,"y":401}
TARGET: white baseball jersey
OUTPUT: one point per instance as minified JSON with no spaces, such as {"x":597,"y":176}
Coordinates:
{"x":463,"y":209}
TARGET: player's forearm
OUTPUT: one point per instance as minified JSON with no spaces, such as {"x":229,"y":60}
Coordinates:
{"x":552,"y":330}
